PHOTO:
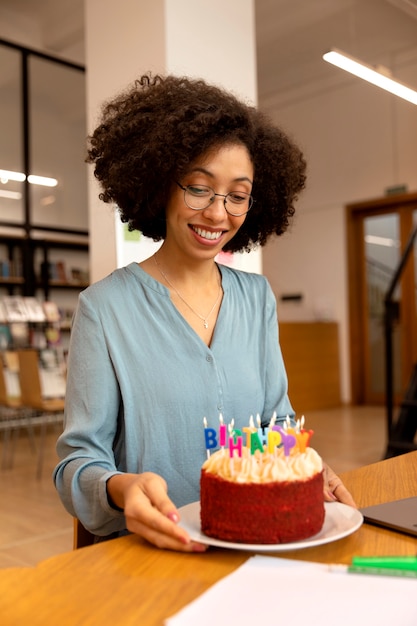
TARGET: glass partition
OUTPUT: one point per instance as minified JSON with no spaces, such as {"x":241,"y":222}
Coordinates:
{"x":43,"y":176}
{"x":57,"y":126}
{"x":11,"y":141}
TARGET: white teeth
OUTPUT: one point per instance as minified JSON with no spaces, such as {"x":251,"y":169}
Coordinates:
{"x":207,"y":234}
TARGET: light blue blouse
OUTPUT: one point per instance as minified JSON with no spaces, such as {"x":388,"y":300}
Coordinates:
{"x":140,"y":382}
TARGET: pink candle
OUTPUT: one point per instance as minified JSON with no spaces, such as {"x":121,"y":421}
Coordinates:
{"x":235,"y":443}
{"x":222,"y":431}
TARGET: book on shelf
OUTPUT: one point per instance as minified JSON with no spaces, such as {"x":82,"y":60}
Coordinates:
{"x":79,"y":275}
{"x":5,"y":268}
{"x":61,"y":271}
{"x":5,"y":337}
{"x":20,"y":334}
{"x":51,"y":311}
{"x":54,"y":270}
{"x":35,"y":312}
{"x":15,"y":309}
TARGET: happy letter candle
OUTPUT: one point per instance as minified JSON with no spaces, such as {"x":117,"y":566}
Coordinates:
{"x":274,"y":439}
{"x":288,"y":441}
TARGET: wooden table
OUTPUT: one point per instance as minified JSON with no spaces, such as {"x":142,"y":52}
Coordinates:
{"x":125,"y":581}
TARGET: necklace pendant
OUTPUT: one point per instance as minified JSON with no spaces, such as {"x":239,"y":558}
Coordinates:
{"x":205,"y":324}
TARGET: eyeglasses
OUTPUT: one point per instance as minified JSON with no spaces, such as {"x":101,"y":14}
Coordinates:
{"x":199,"y":197}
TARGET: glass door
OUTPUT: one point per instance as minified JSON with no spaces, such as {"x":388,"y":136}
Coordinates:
{"x":378,"y":233}
{"x":382,"y":256}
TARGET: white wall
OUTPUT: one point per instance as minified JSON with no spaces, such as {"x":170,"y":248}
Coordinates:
{"x":358,"y":141}
{"x":191,"y":37}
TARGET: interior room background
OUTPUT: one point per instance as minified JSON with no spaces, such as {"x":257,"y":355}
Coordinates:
{"x":358,"y":140}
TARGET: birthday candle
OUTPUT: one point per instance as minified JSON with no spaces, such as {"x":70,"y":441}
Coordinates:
{"x":249,"y":430}
{"x":303,"y":439}
{"x":261,"y":431}
{"x":222,"y":431}
{"x":210,"y":437}
{"x":288,"y":441}
{"x":274,"y":439}
{"x":235,"y":443}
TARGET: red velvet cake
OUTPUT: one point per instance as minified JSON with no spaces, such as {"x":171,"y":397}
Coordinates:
{"x":262,"y":498}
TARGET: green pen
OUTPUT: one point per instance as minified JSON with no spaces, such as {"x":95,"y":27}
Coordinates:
{"x":381,"y":571}
{"x":399,"y":563}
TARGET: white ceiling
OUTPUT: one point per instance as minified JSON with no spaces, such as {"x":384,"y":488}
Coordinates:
{"x":292,"y":35}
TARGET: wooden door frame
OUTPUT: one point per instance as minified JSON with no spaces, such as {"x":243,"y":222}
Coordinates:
{"x":403,"y":204}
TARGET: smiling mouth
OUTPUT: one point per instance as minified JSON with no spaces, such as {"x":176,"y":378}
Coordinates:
{"x":207,"y":234}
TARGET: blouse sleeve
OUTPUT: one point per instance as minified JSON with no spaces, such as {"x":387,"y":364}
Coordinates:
{"x":91,"y":409}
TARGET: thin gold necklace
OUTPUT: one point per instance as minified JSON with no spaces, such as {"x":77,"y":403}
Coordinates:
{"x":202,"y":317}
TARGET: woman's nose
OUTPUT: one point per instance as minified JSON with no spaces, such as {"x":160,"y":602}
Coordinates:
{"x":217,"y":208}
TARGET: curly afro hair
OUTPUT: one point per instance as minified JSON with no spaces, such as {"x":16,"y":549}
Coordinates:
{"x":150,"y":135}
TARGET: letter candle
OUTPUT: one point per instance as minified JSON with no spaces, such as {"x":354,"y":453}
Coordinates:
{"x":258,"y":439}
{"x":261,"y":431}
{"x":303,"y":439}
{"x":249,"y":430}
{"x":235,"y":440}
{"x":210,"y":437}
{"x":235,"y":443}
{"x":288,"y":441}
{"x":255,"y":441}
{"x":274,"y":439}
{"x":222,"y":432}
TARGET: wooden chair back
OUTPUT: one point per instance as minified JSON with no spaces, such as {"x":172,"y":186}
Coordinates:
{"x":3,"y":391}
{"x":82,"y":536}
{"x":5,"y":398}
{"x":29,"y":378}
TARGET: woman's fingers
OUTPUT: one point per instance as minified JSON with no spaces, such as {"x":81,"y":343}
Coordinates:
{"x":151,"y":513}
{"x":335,"y":490}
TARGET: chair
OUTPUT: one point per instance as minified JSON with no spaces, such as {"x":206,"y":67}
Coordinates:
{"x":82,"y":536}
{"x":13,"y":416}
{"x":49,"y":410}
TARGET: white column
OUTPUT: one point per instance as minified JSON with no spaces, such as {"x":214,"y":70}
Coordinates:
{"x":210,"y":39}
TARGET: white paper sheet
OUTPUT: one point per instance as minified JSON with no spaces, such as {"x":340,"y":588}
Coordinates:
{"x":297,"y":593}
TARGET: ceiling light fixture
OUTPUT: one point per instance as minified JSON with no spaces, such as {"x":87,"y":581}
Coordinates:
{"x":6,"y":175}
{"x":378,"y":77}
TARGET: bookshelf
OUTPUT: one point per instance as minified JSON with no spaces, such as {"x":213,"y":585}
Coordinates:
{"x":31,"y":267}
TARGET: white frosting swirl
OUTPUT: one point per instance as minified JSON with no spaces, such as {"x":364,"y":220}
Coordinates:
{"x":264,"y":468}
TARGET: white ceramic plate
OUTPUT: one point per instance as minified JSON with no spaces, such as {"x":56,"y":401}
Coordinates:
{"x":340,"y":521}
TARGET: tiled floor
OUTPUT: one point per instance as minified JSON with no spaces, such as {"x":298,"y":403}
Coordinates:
{"x":34,"y":524}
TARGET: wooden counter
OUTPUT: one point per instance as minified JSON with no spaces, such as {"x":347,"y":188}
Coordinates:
{"x":126,"y":581}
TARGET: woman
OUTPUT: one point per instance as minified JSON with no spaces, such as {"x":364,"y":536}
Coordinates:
{"x":156,"y":347}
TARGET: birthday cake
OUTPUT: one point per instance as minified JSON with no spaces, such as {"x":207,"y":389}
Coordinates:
{"x":263,"y":494}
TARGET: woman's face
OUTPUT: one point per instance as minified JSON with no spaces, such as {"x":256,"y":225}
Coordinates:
{"x":202,"y":234}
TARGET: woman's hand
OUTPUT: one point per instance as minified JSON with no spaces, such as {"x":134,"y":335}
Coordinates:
{"x":334,"y":489}
{"x":149,"y":512}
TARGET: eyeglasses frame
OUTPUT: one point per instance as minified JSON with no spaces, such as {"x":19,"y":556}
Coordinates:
{"x":221,"y":195}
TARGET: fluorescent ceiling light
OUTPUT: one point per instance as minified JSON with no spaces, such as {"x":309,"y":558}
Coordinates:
{"x":349,"y":64}
{"x":42,"y":180}
{"x":6,"y":175}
